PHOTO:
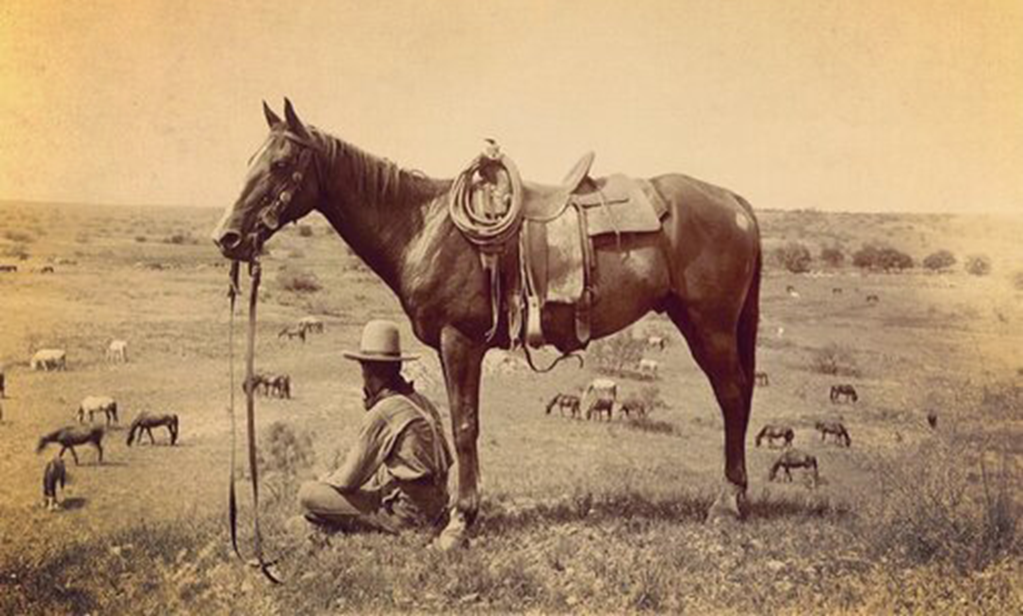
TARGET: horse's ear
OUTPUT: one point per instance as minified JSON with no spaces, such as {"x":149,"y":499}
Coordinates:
{"x":271,"y":117}
{"x":294,"y":124}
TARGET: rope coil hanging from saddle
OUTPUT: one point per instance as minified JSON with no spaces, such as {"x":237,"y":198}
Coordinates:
{"x":255,"y":273}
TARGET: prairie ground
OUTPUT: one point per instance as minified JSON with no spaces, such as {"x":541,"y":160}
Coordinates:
{"x":602,"y":517}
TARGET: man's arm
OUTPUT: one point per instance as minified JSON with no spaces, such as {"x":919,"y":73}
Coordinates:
{"x":363,"y":459}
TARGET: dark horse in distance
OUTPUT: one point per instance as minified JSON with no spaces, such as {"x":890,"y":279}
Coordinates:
{"x":702,"y":269}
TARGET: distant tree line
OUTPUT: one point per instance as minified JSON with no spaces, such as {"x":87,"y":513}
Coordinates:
{"x":797,"y":258}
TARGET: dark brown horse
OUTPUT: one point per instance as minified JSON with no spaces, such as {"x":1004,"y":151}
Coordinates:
{"x":145,"y":422}
{"x":702,"y":270}
{"x":74,"y":435}
{"x":774,"y":432}
{"x":569,"y":402}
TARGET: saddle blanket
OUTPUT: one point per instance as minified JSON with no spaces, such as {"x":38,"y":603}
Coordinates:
{"x":632,"y":206}
{"x":622,"y":205}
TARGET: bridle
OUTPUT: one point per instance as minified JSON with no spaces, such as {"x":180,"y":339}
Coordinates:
{"x":268,"y":221}
{"x":275,"y":203}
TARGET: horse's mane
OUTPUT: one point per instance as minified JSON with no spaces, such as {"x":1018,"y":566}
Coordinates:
{"x":377,"y":180}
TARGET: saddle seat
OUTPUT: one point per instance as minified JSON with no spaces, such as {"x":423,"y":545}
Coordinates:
{"x":542,"y":202}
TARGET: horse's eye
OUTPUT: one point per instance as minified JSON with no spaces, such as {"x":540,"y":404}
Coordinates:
{"x":279,"y":165}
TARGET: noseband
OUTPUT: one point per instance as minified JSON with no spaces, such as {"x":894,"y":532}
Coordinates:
{"x":270,"y":218}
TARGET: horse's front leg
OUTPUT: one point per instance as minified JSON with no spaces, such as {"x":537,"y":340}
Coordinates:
{"x":462,"y":358}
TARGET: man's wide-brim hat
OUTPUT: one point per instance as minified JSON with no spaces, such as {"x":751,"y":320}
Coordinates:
{"x":380,"y":342}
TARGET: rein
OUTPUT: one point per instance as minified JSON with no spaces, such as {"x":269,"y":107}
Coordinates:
{"x":255,"y":272}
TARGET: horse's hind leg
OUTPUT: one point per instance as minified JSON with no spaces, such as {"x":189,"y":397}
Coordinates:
{"x":714,"y":340}
{"x":73,"y":454}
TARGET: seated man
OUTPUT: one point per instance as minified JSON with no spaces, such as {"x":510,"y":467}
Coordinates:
{"x":395,"y":476}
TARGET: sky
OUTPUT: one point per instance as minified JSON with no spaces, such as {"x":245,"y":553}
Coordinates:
{"x":838,"y":105}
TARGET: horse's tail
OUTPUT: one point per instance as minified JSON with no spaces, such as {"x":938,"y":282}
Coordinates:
{"x":760,"y":435}
{"x":174,"y":429}
{"x":848,"y":439}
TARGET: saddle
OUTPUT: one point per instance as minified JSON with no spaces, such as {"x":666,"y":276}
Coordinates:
{"x":554,"y":228}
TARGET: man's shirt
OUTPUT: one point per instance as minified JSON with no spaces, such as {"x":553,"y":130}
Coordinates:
{"x":396,"y":444}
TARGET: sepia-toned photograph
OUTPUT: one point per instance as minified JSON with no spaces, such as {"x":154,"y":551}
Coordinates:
{"x":518,"y":306}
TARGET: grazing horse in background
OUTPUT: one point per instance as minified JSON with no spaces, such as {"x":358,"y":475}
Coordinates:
{"x":632,"y":405}
{"x":70,"y":436}
{"x":762,"y":379}
{"x":794,"y":458}
{"x":117,"y":351}
{"x":311,"y":324}
{"x":146,"y":422}
{"x":772,"y":432}
{"x":836,"y":429}
{"x":657,"y":342}
{"x":54,"y":474}
{"x":602,"y":395}
{"x":648,"y":368}
{"x":838,"y":392}
{"x":563,"y":402}
{"x":49,"y":359}
{"x":279,"y":386}
{"x":298,"y":332}
{"x":97,"y":404}
{"x":702,"y":268}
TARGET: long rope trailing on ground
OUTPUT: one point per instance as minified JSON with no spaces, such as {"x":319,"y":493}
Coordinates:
{"x":255,"y":273}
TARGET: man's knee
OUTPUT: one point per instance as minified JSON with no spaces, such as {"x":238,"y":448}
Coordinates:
{"x":310,"y":495}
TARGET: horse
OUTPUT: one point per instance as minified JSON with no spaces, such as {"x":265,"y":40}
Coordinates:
{"x":762,"y":379}
{"x":311,"y":324}
{"x":848,"y":392}
{"x":791,"y":291}
{"x":146,"y":422}
{"x":279,"y":386}
{"x":49,"y":359}
{"x":70,"y":436}
{"x":772,"y":432}
{"x":570,"y":402}
{"x":54,"y":474}
{"x":632,"y":405}
{"x":794,"y":458}
{"x":298,"y":332}
{"x":835,"y":428}
{"x":657,"y":342}
{"x":602,"y":395}
{"x":46,"y":269}
{"x":117,"y":351}
{"x":648,"y":368}
{"x":702,"y":269}
{"x":97,"y":404}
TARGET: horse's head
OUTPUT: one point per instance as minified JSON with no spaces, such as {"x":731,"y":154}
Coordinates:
{"x":279,"y":187}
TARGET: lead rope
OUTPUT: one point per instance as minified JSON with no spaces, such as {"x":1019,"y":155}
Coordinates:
{"x":255,"y":272}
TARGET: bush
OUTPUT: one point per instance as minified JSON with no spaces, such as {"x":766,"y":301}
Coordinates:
{"x":284,"y":450}
{"x":928,"y":510}
{"x":794,"y":256}
{"x":18,"y":251}
{"x":141,"y":239}
{"x":834,"y":360}
{"x":978,"y":265}
{"x":19,"y":237}
{"x":939,"y":260}
{"x":618,"y":354}
{"x":305,"y":231}
{"x":298,"y":281}
{"x":886,"y":258}
{"x":832,"y":256}
{"x":179,"y":238}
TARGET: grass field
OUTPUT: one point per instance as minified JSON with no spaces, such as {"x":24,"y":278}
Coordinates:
{"x":577,"y":516}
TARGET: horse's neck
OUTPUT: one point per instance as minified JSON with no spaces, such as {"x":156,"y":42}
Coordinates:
{"x":378,"y":209}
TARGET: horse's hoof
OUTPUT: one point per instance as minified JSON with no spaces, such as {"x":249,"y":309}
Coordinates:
{"x":726,"y":507}
{"x":455,"y":534}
